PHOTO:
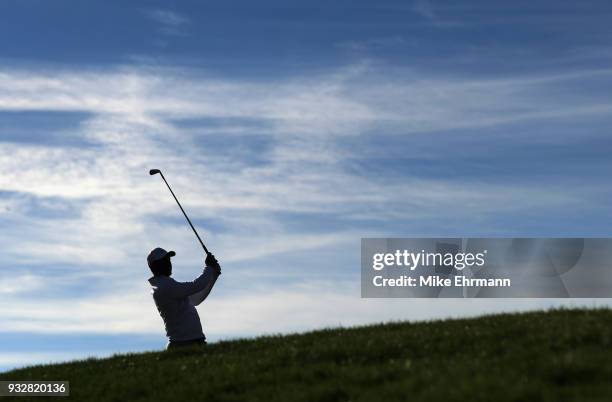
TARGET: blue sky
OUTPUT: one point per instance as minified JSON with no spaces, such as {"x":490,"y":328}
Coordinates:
{"x":289,"y":130}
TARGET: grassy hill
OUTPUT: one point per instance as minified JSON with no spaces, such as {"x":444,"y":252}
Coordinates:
{"x":561,"y":355}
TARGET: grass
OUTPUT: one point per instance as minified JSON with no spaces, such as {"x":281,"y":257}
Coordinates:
{"x":560,"y":355}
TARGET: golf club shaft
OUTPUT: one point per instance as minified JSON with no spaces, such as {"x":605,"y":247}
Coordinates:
{"x":186,"y":217}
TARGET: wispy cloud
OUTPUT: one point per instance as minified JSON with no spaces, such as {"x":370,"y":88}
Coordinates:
{"x":11,"y":360}
{"x":171,"y":22}
{"x":133,"y":123}
{"x":374,"y":43}
{"x":259,"y":310}
{"x":425,"y":9}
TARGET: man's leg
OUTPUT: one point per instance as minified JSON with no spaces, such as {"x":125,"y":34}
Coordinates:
{"x":182,"y":344}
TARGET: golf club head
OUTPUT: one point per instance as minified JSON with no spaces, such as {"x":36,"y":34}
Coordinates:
{"x":154,"y":171}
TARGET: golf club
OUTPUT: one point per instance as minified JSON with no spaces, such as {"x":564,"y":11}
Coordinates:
{"x":156,"y":171}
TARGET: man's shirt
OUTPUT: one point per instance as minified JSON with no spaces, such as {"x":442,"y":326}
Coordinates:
{"x":176,"y":303}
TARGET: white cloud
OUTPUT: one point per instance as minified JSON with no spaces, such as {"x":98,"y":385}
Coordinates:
{"x":11,"y":360}
{"x":172,"y":23}
{"x":133,"y":128}
{"x":20,"y":283}
{"x":425,"y":9}
{"x":259,"y":310}
{"x":168,"y":17}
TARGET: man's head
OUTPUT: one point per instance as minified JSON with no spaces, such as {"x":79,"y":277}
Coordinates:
{"x":159,"y":261}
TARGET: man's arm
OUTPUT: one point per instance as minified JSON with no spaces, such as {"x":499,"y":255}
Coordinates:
{"x":211,"y":265}
{"x":205,"y":281}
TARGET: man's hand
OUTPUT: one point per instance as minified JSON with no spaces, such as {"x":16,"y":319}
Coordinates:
{"x":212,"y":262}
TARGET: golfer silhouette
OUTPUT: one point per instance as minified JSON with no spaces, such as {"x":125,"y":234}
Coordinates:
{"x":176,"y":301}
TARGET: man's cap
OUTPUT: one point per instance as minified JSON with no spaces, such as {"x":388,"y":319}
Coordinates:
{"x":157,"y":254}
